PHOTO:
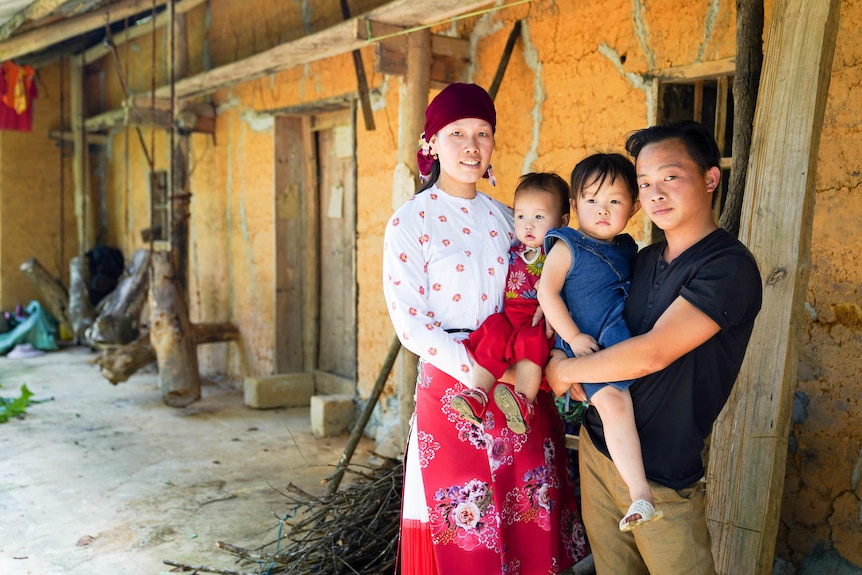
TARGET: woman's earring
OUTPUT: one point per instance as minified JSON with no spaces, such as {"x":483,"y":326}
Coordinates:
{"x":489,"y":173}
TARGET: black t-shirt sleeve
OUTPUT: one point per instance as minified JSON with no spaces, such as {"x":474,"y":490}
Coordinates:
{"x":714,"y":289}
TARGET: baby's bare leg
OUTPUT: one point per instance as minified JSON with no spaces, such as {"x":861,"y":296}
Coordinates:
{"x":528,"y":378}
{"x":621,"y":436}
{"x":482,"y":378}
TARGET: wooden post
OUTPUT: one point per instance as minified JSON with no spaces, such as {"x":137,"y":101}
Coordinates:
{"x":414,"y":99}
{"x":81,"y":311}
{"x":80,"y":157}
{"x":746,"y":79}
{"x":180,"y":194}
{"x":749,"y":444}
{"x":171,"y":336}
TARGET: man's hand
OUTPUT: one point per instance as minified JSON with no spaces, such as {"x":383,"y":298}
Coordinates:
{"x":554,"y":376}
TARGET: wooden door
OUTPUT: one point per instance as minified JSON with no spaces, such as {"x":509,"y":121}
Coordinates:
{"x":336,"y":249}
{"x":315,"y":223}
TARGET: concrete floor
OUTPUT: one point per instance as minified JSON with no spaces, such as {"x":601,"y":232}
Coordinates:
{"x":104,"y":479}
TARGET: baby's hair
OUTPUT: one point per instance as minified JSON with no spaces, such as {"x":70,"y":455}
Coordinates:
{"x":548,"y":182}
{"x":598,"y":167}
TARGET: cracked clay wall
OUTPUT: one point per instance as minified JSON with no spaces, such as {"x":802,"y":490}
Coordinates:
{"x":37,"y":216}
{"x":578,"y":80}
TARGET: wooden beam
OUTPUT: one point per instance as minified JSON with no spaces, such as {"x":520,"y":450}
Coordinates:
{"x":693,"y":72}
{"x":137,"y":116}
{"x":68,"y":136}
{"x":450,"y":56}
{"x":749,"y":445}
{"x":336,"y":40}
{"x":46,"y":36}
{"x":34,"y":11}
{"x":97,"y":52}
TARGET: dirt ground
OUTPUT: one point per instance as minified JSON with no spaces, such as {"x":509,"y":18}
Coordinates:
{"x":103,"y":479}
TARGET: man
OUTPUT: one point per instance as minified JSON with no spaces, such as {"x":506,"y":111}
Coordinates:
{"x":691,"y":309}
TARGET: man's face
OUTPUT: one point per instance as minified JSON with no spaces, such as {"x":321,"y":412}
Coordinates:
{"x":672,"y":189}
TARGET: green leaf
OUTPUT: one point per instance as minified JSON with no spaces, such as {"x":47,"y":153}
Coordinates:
{"x":13,"y":407}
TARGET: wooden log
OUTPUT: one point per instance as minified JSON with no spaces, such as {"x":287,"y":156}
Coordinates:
{"x":54,"y":295}
{"x":171,"y":336}
{"x":82,"y":314}
{"x":118,"y":364}
{"x":748,"y":452}
{"x":117,"y":319}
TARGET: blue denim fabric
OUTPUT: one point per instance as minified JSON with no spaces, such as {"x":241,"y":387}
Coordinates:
{"x":596,"y":288}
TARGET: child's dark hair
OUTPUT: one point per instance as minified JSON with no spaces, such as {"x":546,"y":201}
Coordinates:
{"x":598,"y":168}
{"x":548,"y":182}
{"x":698,"y":141}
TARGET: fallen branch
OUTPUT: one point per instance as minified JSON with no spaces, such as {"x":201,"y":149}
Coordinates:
{"x":353,"y":531}
{"x":204,"y":568}
{"x":120,"y":363}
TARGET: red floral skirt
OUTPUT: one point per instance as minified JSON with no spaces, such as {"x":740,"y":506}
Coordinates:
{"x":494,"y":501}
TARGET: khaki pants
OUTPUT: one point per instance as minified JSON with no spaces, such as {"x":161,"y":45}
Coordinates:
{"x":676,"y":544}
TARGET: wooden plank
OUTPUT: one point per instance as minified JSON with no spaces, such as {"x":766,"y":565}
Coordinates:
{"x":336,"y":246}
{"x":700,"y":71}
{"x":336,"y":40}
{"x":46,"y":36}
{"x":749,"y":445}
{"x":310,"y":216}
{"x":290,"y":316}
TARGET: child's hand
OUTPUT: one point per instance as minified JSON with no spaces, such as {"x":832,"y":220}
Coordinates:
{"x":538,"y":316}
{"x":583,"y":344}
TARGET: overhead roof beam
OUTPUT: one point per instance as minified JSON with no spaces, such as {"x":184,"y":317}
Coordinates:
{"x":46,"y":36}
{"x":339,"y":39}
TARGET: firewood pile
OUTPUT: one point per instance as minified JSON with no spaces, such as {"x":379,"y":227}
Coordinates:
{"x":351,"y":531}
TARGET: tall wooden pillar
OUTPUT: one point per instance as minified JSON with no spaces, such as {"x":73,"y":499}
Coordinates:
{"x":749,"y":445}
{"x":84,"y":214}
{"x":180,"y":193}
{"x":414,"y":99}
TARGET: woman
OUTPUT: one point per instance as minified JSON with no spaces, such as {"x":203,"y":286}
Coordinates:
{"x":478,"y":498}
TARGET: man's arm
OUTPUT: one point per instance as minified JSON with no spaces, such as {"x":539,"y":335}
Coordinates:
{"x":680,"y":329}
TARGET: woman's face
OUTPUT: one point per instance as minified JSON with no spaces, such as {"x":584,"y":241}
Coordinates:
{"x":464,"y":149}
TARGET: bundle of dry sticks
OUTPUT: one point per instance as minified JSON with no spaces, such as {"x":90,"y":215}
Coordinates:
{"x":352,"y":531}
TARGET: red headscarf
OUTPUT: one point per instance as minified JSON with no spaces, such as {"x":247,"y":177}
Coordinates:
{"x":455,"y":102}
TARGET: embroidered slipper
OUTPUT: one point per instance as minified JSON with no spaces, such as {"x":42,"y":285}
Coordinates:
{"x":640,"y":507}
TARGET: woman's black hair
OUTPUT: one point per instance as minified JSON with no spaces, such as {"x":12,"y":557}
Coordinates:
{"x":432,"y":178}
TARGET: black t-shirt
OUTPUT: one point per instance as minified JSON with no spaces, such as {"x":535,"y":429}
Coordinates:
{"x":676,"y":407}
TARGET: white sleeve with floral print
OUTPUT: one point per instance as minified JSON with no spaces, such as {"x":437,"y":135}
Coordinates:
{"x":444,"y":267}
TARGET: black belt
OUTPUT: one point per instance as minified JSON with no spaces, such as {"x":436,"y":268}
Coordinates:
{"x":459,"y":331}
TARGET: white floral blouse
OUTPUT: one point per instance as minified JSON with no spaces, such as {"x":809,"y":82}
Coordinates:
{"x":445,"y":261}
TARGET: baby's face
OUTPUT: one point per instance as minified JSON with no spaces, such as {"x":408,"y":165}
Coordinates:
{"x":604,"y":210}
{"x":536,"y":212}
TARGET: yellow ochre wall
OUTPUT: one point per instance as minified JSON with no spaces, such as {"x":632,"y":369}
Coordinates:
{"x":576,"y":83}
{"x":37,"y":217}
